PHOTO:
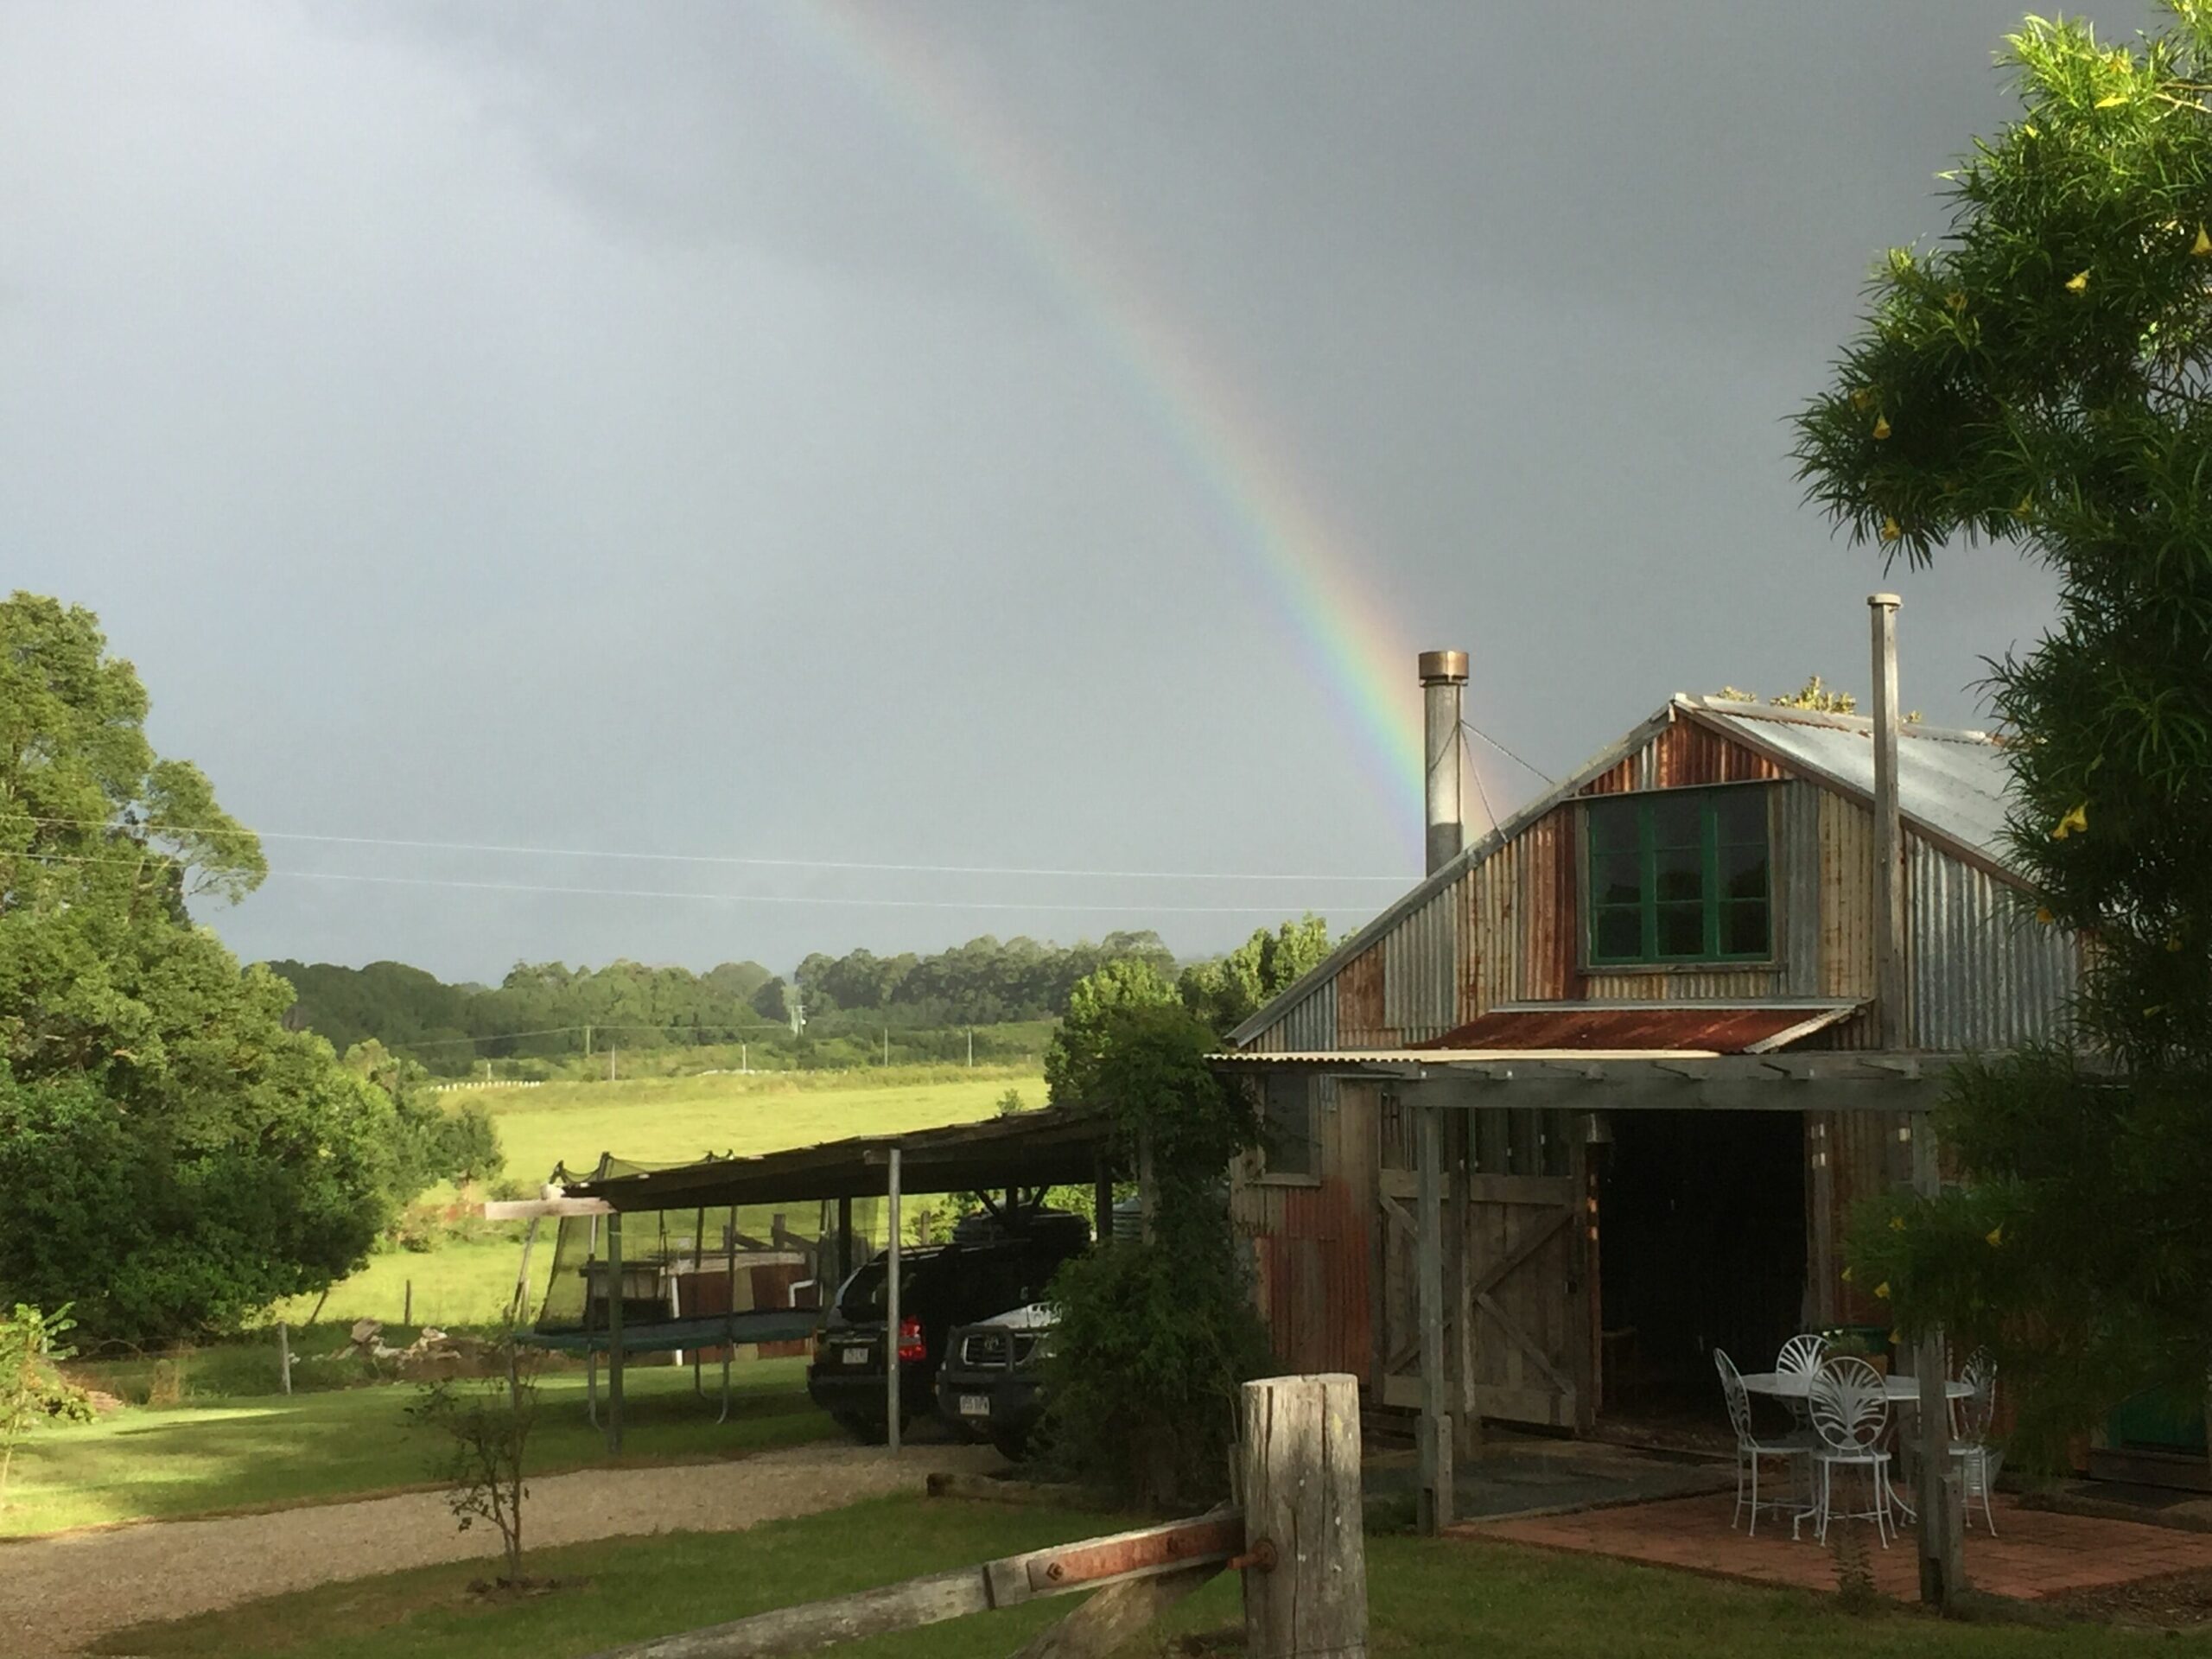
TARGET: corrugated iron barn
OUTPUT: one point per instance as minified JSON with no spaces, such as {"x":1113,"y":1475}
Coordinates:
{"x":1670,"y":1022}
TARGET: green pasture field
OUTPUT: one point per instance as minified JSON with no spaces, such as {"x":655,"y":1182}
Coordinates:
{"x":1428,"y":1598}
{"x":672,"y":1120}
{"x":222,"y":1451}
{"x":658,"y":1120}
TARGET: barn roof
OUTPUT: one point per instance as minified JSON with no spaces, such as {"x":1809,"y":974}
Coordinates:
{"x":1710,"y":1027}
{"x":1951,"y":788}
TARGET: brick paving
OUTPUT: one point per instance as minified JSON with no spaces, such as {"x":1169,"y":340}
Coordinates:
{"x":2035,"y":1553}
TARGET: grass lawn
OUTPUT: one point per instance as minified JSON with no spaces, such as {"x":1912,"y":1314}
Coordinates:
{"x":654,"y":1119}
{"x":264,"y":1451}
{"x":1426,"y":1597}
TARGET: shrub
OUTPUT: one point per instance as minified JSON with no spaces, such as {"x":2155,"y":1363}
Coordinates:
{"x":32,"y":1391}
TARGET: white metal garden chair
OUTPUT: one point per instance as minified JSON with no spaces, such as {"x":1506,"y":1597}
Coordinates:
{"x":1795,"y":1448}
{"x":1801,"y":1356}
{"x":1979,"y":1460}
{"x":1850,"y":1407}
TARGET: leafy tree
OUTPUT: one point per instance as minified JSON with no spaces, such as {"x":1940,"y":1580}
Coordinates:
{"x":1079,"y":1048}
{"x":173,"y":1157}
{"x":2041,"y":379}
{"x":1228,"y":990}
{"x":1152,"y":1339}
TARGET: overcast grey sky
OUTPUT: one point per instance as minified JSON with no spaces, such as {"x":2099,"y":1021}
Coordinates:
{"x":709,"y":430}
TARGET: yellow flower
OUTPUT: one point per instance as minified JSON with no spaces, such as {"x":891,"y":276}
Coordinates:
{"x":1891,"y":530}
{"x":2027,"y":505}
{"x":2075,"y":822}
{"x":2043,"y":915}
{"x":1957,"y":302}
{"x":2202,"y":245}
{"x":1995,"y":1236}
{"x":2078,"y":283}
{"x":1882,"y":1290}
{"x":1863,"y":397}
{"x":1847,"y":1275}
{"x":2173,"y":941}
{"x":1896,"y":1224}
{"x":2029,"y":128}
{"x":1881,"y":427}
{"x":1896,"y":1338}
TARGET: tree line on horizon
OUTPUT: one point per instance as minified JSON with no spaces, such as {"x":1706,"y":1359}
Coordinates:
{"x":542,"y":1010}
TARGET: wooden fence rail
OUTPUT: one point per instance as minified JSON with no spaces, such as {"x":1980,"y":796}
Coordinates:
{"x":1297,"y":1543}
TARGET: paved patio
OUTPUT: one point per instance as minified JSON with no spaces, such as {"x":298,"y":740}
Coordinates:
{"x":2034,"y":1555}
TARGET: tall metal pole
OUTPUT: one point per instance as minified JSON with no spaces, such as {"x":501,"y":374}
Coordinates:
{"x":891,"y":1320}
{"x":1889,"y":831}
{"x":614,"y":1332}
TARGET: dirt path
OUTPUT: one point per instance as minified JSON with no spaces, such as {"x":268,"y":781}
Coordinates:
{"x":56,"y":1594}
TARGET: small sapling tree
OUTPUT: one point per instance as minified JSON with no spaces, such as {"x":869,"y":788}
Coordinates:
{"x":32,"y":1389}
{"x":484,"y":1426}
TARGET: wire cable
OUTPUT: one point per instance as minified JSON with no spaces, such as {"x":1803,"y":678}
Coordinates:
{"x":1469,"y":726}
{"x":709,"y":858}
{"x":1032,"y":906}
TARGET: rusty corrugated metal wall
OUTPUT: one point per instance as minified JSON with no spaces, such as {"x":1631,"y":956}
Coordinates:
{"x":1985,"y":973}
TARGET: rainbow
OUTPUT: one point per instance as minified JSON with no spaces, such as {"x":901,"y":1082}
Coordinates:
{"x":1311,"y":569}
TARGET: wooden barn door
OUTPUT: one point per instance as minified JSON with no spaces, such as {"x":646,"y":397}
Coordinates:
{"x":1523,"y":1230}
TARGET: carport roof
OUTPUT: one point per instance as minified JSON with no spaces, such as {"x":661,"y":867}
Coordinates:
{"x":1055,"y":1146}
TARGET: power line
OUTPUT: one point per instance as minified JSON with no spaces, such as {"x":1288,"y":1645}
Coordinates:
{"x":1080,"y":906}
{"x":709,"y":858}
{"x":1077,"y":906}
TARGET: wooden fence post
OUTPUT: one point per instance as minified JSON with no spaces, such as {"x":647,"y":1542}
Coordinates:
{"x":285,"y":1356}
{"x":1305,"y":1555}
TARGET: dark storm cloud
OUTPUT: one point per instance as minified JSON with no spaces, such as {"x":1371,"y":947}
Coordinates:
{"x":629,"y":428}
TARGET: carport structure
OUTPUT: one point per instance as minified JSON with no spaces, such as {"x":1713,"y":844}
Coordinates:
{"x":1006,"y":1161}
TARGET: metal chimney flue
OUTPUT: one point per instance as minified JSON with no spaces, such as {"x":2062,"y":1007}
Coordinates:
{"x":1889,"y":830}
{"x":1443,"y":682}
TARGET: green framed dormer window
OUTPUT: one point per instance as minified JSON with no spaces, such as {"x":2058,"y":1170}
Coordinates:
{"x":1681,"y":875}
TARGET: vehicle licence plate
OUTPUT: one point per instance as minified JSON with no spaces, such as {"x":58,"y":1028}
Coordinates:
{"x":974,"y":1404}
{"x":853,"y":1357}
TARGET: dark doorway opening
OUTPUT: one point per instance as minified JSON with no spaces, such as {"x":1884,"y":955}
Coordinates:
{"x":1701,"y":1245}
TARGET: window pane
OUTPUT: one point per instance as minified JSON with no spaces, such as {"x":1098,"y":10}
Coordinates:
{"x":1682,"y":930}
{"x":1742,"y":872}
{"x":1682,"y":875}
{"x":1675,"y":817}
{"x":1620,"y":934}
{"x":1289,"y":1123}
{"x":1744,"y":928}
{"x":1741,"y":816}
{"x":1618,"y":878}
{"x":1613,"y":826}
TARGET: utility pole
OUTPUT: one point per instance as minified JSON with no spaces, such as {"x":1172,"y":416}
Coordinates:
{"x":886,"y":1044}
{"x":745,"y":1058}
{"x":971,"y":1048}
{"x":610,"y":1062}
{"x":587,"y":1039}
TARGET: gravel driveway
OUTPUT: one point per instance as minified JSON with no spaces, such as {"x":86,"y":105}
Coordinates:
{"x":58,"y":1593}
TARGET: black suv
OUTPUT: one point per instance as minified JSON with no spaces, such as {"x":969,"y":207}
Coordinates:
{"x":992,"y":1265}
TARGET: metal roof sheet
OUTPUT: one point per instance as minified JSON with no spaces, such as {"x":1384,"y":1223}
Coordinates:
{"x":1952,"y":783}
{"x":1669,"y":1027}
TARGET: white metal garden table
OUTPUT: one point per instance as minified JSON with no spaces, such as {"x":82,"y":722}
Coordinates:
{"x":1901,"y":1390}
